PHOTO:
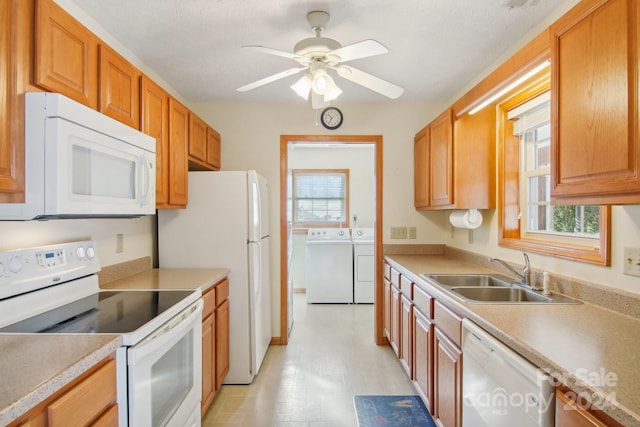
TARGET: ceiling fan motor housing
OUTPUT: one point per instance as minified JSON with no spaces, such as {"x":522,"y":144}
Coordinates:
{"x":316,"y":46}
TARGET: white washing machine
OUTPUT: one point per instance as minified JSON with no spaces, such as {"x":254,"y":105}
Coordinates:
{"x":329,"y":264}
{"x":364,"y":266}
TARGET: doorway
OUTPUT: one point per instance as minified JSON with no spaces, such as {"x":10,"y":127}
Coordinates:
{"x":288,"y":141}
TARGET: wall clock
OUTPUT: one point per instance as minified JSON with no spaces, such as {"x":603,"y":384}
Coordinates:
{"x":331,"y":118}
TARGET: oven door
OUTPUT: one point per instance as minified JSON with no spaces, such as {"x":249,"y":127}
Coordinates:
{"x":165,"y":373}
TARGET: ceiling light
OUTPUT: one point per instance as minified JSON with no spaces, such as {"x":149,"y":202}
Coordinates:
{"x":510,"y":87}
{"x":322,"y":82}
{"x":303,"y":86}
{"x":332,"y":93}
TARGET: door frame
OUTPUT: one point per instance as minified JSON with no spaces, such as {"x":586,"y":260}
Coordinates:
{"x":376,"y":140}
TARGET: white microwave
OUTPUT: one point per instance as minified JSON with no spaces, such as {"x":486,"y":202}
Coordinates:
{"x":81,"y":163}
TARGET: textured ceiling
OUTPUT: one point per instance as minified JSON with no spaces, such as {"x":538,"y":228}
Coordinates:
{"x":436,"y":46}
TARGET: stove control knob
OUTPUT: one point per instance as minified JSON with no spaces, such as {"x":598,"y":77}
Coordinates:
{"x":80,"y":253}
{"x":1,"y":269}
{"x":91,"y":253}
{"x":15,"y":264}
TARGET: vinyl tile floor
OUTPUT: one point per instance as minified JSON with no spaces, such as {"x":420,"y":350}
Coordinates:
{"x":331,"y":356}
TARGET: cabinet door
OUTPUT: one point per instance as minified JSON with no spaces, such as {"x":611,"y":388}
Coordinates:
{"x":178,"y":143}
{"x":441,"y":161}
{"x":386,"y":309}
{"x":406,"y":335}
{"x":423,"y":357}
{"x":421,"y":169}
{"x":155,"y":123}
{"x":594,"y":100}
{"x":208,"y":362}
{"x":222,"y":342}
{"x":66,"y":54}
{"x":447,"y":381}
{"x":119,"y":88}
{"x":571,"y":414}
{"x":213,"y":148}
{"x":395,"y":320}
{"x":197,"y":138}
{"x":15,"y":67}
{"x":474,"y":158}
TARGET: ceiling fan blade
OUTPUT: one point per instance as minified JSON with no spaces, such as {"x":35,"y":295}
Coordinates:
{"x":374,"y":83}
{"x":358,"y":50}
{"x":270,"y":51}
{"x":273,"y":78}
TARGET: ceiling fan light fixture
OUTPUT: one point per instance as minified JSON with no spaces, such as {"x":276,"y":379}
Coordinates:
{"x":303,"y":86}
{"x":332,"y":93}
{"x":322,"y":82}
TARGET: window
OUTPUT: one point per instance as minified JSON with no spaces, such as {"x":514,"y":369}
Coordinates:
{"x":528,"y":219}
{"x":320,"y":197}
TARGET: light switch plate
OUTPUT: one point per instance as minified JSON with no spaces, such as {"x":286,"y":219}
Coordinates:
{"x":412,"y":232}
{"x":632,"y":262}
{"x":119,"y":243}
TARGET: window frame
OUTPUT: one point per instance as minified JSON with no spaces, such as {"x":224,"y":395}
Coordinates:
{"x":307,"y":225}
{"x":510,"y":234}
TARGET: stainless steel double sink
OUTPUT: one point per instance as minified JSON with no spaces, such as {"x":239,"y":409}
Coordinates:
{"x":493,"y":289}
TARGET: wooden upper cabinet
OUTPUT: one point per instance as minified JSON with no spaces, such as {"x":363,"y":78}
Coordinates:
{"x":197,"y":138}
{"x":119,"y":88}
{"x":474,"y":159}
{"x":15,"y":65}
{"x":204,"y":145}
{"x":421,"y":169}
{"x":441,"y":161}
{"x":178,"y":145}
{"x":213,"y":148}
{"x":154,"y":106}
{"x":594,"y":102}
{"x":66,"y":54}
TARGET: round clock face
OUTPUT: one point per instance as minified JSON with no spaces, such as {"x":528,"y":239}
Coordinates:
{"x":331,"y":118}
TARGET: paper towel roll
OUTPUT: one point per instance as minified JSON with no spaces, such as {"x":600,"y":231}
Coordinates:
{"x":470,"y":219}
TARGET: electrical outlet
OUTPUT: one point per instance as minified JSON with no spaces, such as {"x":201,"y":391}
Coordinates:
{"x":631,"y":262}
{"x":119,"y":243}
{"x":398,"y":232}
{"x":412,"y":232}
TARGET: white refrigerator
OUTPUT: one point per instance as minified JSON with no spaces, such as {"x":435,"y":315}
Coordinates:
{"x":226,"y":225}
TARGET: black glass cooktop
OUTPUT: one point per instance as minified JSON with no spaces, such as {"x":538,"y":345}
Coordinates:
{"x":103,"y":312}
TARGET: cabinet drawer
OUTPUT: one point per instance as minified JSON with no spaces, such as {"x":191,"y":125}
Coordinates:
{"x":395,"y":277}
{"x":83,"y":403}
{"x":449,"y":322}
{"x":222,"y":292}
{"x":423,"y":301}
{"x":209,"y":299}
{"x":406,"y":286}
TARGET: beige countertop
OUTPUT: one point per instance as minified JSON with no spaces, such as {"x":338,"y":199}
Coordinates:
{"x":33,"y":367}
{"x":170,"y":278}
{"x":591,"y":349}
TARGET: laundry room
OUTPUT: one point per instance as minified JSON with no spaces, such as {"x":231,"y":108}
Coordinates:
{"x":337,"y":213}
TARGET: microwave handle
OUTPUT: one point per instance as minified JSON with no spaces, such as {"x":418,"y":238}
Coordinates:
{"x":146,"y":174}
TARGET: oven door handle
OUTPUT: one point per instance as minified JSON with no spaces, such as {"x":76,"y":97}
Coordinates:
{"x":168,"y":334}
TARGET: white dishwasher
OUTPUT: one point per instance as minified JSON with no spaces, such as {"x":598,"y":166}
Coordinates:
{"x":499,"y":387}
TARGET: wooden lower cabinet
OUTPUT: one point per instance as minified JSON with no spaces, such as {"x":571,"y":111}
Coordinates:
{"x":386,"y":309}
{"x":447,"y":385}
{"x":89,"y":400}
{"x":571,"y":412}
{"x":423,"y":357}
{"x":406,"y":335}
{"x":394,"y":314}
{"x":215,"y":341}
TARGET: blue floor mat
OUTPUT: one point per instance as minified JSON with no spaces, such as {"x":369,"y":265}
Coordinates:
{"x":392,"y":411}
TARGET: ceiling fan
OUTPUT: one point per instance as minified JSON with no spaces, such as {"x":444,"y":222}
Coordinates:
{"x":319,"y":54}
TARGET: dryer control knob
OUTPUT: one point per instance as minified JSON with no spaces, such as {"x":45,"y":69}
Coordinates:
{"x":15,"y":264}
{"x":80,"y":253}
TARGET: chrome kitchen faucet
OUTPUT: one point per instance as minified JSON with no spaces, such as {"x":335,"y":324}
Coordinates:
{"x":524,"y":276}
